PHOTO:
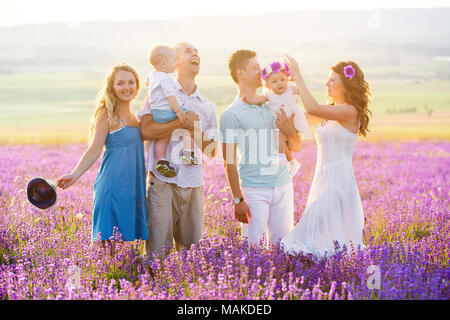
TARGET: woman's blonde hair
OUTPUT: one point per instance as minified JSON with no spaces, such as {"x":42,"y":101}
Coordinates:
{"x":356,"y":93}
{"x":107,"y":100}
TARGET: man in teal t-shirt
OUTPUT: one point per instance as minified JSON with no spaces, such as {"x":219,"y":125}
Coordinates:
{"x":263,"y":194}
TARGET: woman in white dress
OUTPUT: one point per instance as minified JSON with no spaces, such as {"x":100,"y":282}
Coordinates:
{"x":334,"y":210}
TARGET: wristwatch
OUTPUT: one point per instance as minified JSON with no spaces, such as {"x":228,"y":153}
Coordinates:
{"x":238,"y":200}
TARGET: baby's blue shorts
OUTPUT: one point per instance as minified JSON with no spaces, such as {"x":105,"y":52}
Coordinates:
{"x":164,"y":116}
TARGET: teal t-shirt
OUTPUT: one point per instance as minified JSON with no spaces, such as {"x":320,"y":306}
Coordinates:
{"x":252,"y":128}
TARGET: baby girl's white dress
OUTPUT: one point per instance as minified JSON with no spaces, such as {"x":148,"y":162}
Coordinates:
{"x":289,"y":103}
{"x":334,"y":210}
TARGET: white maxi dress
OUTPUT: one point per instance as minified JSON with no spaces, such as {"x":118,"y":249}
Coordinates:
{"x":334,"y":210}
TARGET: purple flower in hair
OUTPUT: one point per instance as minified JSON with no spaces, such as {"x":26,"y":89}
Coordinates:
{"x":349,"y":71}
{"x":275,"y":66}
{"x":287,"y":70}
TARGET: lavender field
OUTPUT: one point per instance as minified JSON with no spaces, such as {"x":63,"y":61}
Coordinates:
{"x":405,"y":190}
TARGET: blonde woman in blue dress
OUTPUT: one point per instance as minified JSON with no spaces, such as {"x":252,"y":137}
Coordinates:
{"x":119,"y":188}
{"x":334,"y":211}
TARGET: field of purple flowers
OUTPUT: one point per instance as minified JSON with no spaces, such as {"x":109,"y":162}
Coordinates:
{"x":405,"y":189}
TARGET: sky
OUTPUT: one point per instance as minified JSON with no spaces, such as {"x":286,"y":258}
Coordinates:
{"x":18,"y":12}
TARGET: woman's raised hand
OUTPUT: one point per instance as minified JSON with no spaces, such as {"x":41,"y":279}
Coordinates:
{"x":66,"y":180}
{"x":293,"y":66}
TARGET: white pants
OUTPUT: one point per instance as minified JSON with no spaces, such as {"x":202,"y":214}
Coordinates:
{"x":272,"y":213}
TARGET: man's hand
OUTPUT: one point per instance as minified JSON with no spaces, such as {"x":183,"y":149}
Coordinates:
{"x":287,"y":127}
{"x":242,"y":212}
{"x":191,"y":117}
{"x":182,"y":116}
{"x":285,"y":124}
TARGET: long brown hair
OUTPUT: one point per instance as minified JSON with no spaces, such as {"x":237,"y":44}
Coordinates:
{"x":106,"y":97}
{"x":356,"y":93}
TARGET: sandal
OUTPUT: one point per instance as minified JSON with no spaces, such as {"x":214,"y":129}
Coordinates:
{"x":164,"y":167}
{"x":189,"y":157}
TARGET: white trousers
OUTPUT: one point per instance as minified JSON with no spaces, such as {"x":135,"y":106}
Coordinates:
{"x":272,"y":214}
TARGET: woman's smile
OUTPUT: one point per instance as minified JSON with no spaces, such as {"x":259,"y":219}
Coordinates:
{"x":127,"y":93}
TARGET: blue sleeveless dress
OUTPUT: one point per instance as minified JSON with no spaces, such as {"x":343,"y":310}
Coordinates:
{"x":119,"y":188}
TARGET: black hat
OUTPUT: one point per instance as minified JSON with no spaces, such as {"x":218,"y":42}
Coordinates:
{"x":41,"y":193}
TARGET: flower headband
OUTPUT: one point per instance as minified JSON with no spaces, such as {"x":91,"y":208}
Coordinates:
{"x":275,"y":67}
{"x":349,"y":71}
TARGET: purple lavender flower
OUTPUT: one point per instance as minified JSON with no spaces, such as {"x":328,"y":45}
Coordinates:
{"x":406,"y":234}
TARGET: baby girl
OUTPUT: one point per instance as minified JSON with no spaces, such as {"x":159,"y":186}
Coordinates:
{"x":282,"y":95}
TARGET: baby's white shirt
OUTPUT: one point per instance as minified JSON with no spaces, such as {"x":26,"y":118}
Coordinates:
{"x":288,"y":101}
{"x":161,"y":86}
